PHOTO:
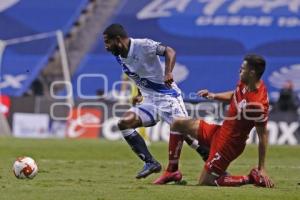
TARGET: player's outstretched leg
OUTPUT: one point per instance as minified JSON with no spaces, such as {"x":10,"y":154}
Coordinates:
{"x":194,"y":144}
{"x":189,"y":129}
{"x":172,"y":173}
{"x":138,"y":145}
{"x":180,"y":129}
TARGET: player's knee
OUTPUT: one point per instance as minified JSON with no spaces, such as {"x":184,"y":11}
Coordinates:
{"x":178,"y":126}
{"x":123,"y":125}
{"x":128,"y":121}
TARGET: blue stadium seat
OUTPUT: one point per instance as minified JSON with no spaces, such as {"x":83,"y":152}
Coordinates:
{"x":22,"y":62}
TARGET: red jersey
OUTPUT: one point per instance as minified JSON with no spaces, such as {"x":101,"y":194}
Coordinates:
{"x":227,"y":142}
{"x":247,"y":109}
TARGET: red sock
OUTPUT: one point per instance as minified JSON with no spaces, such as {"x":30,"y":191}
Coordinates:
{"x":175,"y":146}
{"x":232,"y":181}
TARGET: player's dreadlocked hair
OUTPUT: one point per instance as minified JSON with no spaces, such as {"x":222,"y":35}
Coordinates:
{"x":115,"y":30}
{"x":257,"y":63}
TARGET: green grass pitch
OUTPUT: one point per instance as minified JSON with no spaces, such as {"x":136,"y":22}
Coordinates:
{"x":99,"y":169}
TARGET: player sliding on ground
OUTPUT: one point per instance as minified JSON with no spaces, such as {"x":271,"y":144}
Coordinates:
{"x":248,"y":108}
{"x":139,"y":59}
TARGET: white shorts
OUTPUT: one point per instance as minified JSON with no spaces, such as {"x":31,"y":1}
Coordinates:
{"x":167,"y":108}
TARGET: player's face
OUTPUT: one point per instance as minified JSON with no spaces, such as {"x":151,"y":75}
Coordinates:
{"x":112,"y":45}
{"x":245,"y":72}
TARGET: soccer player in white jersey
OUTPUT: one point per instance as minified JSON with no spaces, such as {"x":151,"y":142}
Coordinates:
{"x":159,"y":98}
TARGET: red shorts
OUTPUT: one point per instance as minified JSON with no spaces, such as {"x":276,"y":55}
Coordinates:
{"x":223,"y":148}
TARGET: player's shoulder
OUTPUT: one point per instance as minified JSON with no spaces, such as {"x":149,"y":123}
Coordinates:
{"x":261,"y":95}
{"x":144,"y":41}
{"x":146,"y":46}
{"x":263,"y":89}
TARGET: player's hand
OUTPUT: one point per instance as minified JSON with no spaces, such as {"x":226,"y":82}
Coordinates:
{"x":266,"y":179}
{"x":169,"y":79}
{"x":137,"y":99}
{"x":206,"y":94}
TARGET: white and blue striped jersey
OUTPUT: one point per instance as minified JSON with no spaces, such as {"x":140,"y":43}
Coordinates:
{"x":143,"y":66}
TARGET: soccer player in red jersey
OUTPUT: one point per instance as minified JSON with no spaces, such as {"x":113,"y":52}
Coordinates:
{"x":248,"y":108}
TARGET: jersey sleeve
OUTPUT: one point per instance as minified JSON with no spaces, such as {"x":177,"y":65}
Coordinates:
{"x":150,"y":47}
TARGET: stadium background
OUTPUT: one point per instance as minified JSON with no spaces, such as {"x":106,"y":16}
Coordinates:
{"x":40,"y":51}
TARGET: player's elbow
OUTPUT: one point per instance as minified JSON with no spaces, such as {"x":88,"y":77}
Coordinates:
{"x":170,"y":52}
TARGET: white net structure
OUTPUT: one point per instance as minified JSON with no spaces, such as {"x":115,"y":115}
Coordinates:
{"x":26,"y":48}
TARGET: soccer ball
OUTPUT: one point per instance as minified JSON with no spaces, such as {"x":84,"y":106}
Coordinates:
{"x":25,"y":167}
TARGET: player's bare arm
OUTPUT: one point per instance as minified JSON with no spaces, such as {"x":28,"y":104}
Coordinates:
{"x":222,"y":96}
{"x":262,"y":148}
{"x":262,"y":145}
{"x":170,"y":56}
